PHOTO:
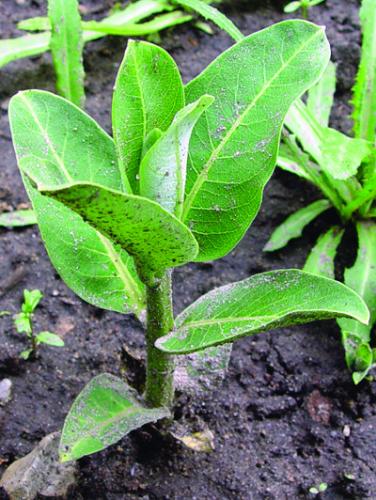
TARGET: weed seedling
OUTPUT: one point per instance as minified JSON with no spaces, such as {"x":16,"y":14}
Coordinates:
{"x":180,"y":181}
{"x":316,"y":490}
{"x":23,"y":322}
{"x":303,"y":5}
{"x":344,"y":169}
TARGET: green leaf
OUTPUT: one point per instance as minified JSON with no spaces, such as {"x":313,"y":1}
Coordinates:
{"x":263,"y":302}
{"x":66,"y":47}
{"x":156,"y":238}
{"x":211,"y":13}
{"x":234,"y":145}
{"x":163,"y":169}
{"x":290,"y":164}
{"x":364,"y":99}
{"x":202,"y":372}
{"x":67,"y":144}
{"x":18,"y":218}
{"x":342,"y":155}
{"x":292,"y":7}
{"x":26,"y":354}
{"x":38,"y":23}
{"x":49,"y":339}
{"x":361,"y":278}
{"x":293,"y":226}
{"x":31,"y":300}
{"x":22,"y":322}
{"x":320,"y":96}
{"x":106,"y":410}
{"x":148,"y":93}
{"x":321,"y":258}
{"x":24,"y":46}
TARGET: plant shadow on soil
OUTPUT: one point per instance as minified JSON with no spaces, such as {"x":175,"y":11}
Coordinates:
{"x":279,"y":417}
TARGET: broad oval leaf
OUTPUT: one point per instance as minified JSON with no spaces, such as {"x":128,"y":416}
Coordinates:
{"x":105,"y":411}
{"x":148,"y":93}
{"x":68,"y":144}
{"x":156,"y":238}
{"x":321,"y":258}
{"x":234,"y":145}
{"x":263,"y":302}
{"x":163,"y":169}
{"x":293,"y":226}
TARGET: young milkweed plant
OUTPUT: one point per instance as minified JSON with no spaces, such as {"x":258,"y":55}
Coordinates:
{"x":180,"y":181}
{"x":344,"y":169}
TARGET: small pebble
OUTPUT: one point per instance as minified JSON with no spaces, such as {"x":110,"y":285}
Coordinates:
{"x":5,"y":391}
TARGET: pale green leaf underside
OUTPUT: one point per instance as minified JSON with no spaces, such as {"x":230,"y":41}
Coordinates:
{"x":234,"y":144}
{"x":321,"y":258}
{"x":362,"y":278}
{"x":294,"y":225}
{"x":262,"y":302}
{"x":320,"y":96}
{"x":66,"y":47}
{"x":163,"y":169}
{"x":148,"y":93}
{"x":68,"y":145}
{"x":286,"y":162}
{"x":106,"y":410}
{"x":18,"y":218}
{"x":156,"y":238}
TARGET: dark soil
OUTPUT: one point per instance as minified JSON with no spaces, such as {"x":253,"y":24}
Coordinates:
{"x":287,"y":416}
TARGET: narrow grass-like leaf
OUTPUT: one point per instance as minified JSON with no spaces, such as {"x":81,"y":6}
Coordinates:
{"x":234,"y":145}
{"x":361,"y":278}
{"x":163,"y":169}
{"x":18,"y":218}
{"x":66,"y":46}
{"x":156,"y":238}
{"x":68,"y":145}
{"x":321,"y":258}
{"x":263,"y":302}
{"x":290,"y":164}
{"x":148,"y":93}
{"x":293,"y":226}
{"x":214,"y":15}
{"x":105,"y":411}
{"x":320,"y":96}
{"x":364,"y":99}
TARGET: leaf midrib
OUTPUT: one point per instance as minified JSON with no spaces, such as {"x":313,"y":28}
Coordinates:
{"x":213,"y":157}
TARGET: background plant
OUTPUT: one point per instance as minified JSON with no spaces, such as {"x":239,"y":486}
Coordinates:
{"x":172,"y":186}
{"x":23,"y":322}
{"x":344,"y":169}
{"x":303,"y":5}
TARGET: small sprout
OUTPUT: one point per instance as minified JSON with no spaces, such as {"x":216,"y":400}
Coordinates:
{"x":349,"y":476}
{"x":303,"y":5}
{"x":23,"y":322}
{"x":316,"y":490}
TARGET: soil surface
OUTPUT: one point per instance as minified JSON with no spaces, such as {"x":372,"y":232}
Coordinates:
{"x":287,"y":416}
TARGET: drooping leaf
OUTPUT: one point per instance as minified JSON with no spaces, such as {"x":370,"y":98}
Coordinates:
{"x":18,"y":218}
{"x":320,"y":96}
{"x":105,"y":411}
{"x":293,"y":226}
{"x":211,"y":13}
{"x":321,"y":258}
{"x":342,"y":155}
{"x":234,"y":144}
{"x":148,"y":93}
{"x":361,"y":278}
{"x":67,"y":144}
{"x":364,"y":99}
{"x":66,"y":45}
{"x":163,"y":169}
{"x":50,"y":339}
{"x":156,"y":238}
{"x":290,"y":164}
{"x":263,"y":302}
{"x":202,"y":372}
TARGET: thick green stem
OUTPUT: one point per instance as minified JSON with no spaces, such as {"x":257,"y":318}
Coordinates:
{"x":159,"y":389}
